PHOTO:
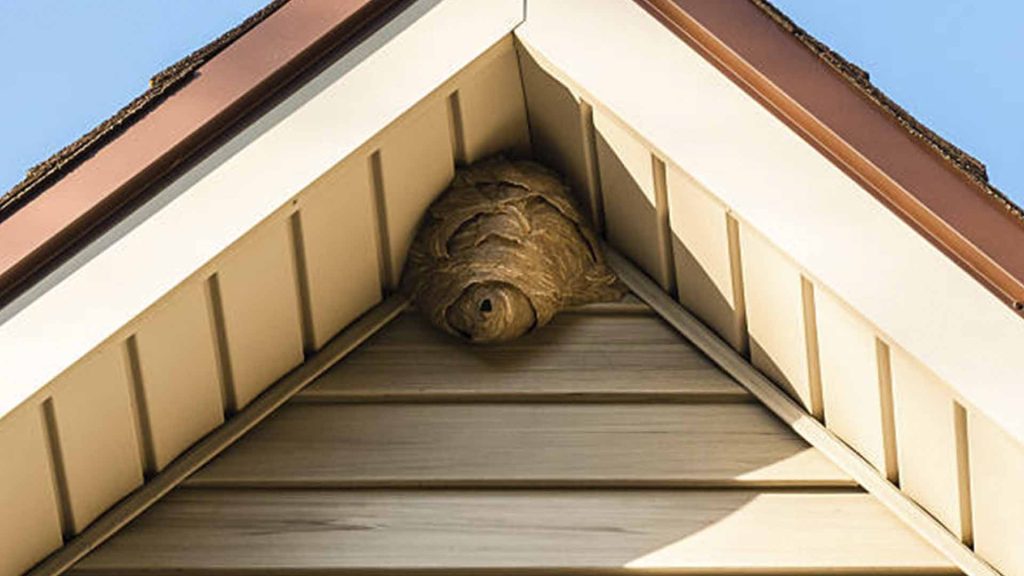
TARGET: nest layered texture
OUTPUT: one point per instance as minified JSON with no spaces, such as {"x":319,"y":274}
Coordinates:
{"x":501,"y":251}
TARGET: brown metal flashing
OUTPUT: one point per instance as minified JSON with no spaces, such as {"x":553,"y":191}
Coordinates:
{"x":861,"y":79}
{"x":935,"y":187}
{"x":160,"y":85}
{"x":190,"y":105}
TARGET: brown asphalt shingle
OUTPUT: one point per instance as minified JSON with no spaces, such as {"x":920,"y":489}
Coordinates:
{"x":166,"y":82}
{"x":861,"y":80}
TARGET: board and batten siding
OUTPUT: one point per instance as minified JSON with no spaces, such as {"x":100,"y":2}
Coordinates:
{"x":247,"y":317}
{"x":862,"y":382}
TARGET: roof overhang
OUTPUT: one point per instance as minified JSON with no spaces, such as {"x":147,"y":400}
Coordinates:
{"x":776,"y":154}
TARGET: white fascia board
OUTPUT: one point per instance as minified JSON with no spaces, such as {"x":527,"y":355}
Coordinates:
{"x":774,"y":180}
{"x":241,"y":184}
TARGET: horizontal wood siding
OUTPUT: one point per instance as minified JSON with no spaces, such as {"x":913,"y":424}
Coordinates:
{"x":766,"y":305}
{"x":521,"y":444}
{"x":615,"y":357}
{"x":590,"y":477}
{"x":279,"y":293}
{"x":839,"y":295}
{"x":521,"y":531}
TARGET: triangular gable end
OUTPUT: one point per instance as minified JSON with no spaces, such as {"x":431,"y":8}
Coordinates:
{"x":811,"y":257}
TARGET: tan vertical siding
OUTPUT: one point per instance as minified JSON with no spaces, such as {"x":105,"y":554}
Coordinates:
{"x":30,"y":526}
{"x":97,"y":439}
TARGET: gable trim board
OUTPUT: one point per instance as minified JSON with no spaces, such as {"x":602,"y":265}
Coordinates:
{"x":339,"y":114}
{"x":221,"y":438}
{"x":796,"y":416}
{"x":692,"y":115}
{"x":935,"y":187}
{"x":332,"y":116}
{"x":145,"y":147}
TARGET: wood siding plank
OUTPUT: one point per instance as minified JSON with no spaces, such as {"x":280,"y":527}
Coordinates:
{"x":521,"y":444}
{"x":577,"y":355}
{"x":802,"y":423}
{"x":926,"y":439}
{"x":262,"y":320}
{"x":179,"y":375}
{"x":704,"y":274}
{"x":731,"y":531}
{"x":555,"y":131}
{"x":129,"y":508}
{"x":493,"y":107}
{"x":997,"y":488}
{"x":775,"y":318}
{"x":339,"y":246}
{"x":416,"y":166}
{"x":630,"y":200}
{"x":97,"y":436}
{"x":850,"y":379}
{"x":30,"y":522}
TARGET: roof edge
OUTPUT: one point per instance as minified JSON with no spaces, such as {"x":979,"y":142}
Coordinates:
{"x":861,"y":79}
{"x":933,"y":186}
{"x":192,"y":103}
{"x":161,"y":84}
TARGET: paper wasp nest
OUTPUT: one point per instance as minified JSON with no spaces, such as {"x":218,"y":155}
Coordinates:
{"x":501,"y":251}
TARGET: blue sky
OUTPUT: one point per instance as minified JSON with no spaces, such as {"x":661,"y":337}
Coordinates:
{"x":958,"y":65}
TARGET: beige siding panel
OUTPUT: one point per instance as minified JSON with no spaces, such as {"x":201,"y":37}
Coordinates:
{"x":522,"y":445}
{"x":177,"y":362}
{"x":577,"y":356}
{"x":340,"y":248}
{"x":700,"y":247}
{"x":555,"y":131}
{"x":30,"y":523}
{"x":849,"y":378}
{"x":784,"y":186}
{"x":262,"y":324}
{"x":97,"y":431}
{"x":997,"y":488}
{"x":493,"y":109}
{"x":469,"y":531}
{"x":417,"y":165}
{"x":926,"y":439}
{"x":627,"y":187}
{"x":775,"y":319}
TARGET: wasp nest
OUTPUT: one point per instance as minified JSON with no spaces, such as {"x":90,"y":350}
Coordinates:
{"x":501,"y":251}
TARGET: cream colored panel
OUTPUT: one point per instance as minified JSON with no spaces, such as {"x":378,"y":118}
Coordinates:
{"x":997,"y":489}
{"x":849,"y":378}
{"x":492,"y":106}
{"x":242,"y":183}
{"x":29,"y":524}
{"x":555,"y":130}
{"x":96,"y":427}
{"x":417,"y":165}
{"x":700,"y":247}
{"x":772,"y":178}
{"x":926,"y":439}
{"x":340,"y":247}
{"x":775,"y":318}
{"x":260,"y":300}
{"x":179,"y":374}
{"x":627,"y":188}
